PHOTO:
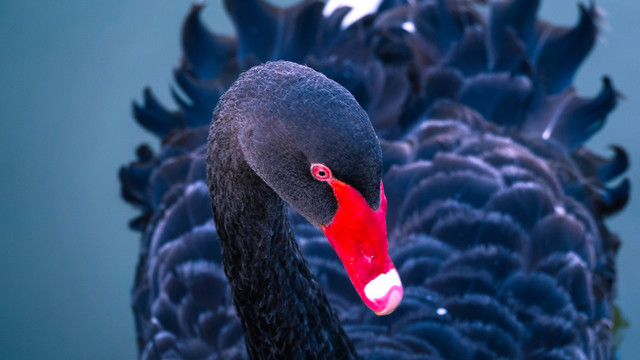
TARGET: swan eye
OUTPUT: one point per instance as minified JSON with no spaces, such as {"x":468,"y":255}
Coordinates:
{"x":320,"y":172}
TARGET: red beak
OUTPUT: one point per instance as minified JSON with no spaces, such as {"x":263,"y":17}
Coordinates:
{"x":359,"y":236}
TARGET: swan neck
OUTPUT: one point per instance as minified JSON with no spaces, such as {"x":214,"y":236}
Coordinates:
{"x":283,"y":310}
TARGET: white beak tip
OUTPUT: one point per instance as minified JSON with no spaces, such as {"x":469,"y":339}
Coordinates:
{"x":385,"y":291}
{"x":394,"y":299}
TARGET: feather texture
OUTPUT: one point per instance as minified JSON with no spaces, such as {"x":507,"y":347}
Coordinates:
{"x":496,"y":209}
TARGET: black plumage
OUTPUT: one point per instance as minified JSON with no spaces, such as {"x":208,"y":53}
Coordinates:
{"x":495,"y":207}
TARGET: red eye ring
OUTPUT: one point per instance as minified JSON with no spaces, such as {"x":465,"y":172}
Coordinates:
{"x":320,"y":172}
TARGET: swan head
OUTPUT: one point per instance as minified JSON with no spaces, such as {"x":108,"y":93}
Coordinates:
{"x":310,"y":141}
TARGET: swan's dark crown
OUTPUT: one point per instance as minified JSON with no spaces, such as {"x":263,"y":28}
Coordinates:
{"x":286,"y":117}
{"x":496,"y":210}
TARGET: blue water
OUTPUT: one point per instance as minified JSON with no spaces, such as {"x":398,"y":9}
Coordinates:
{"x":68,"y":73}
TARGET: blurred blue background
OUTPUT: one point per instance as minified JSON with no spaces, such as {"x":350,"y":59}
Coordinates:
{"x":68,"y":73}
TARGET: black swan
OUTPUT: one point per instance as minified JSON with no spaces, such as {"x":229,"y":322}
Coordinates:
{"x":494,"y":208}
